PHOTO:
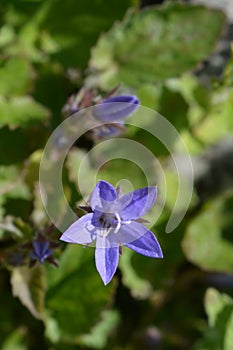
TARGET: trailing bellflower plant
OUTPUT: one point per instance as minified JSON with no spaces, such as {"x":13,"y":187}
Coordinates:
{"x":114,"y":220}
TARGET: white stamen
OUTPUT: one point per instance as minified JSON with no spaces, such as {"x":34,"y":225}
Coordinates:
{"x":126,"y":222}
{"x":118,"y":226}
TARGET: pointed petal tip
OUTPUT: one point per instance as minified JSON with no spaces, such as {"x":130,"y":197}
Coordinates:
{"x":146,"y":243}
{"x":106,"y":260}
{"x":140,"y":201}
{"x":106,"y":282}
{"x":158,"y":255}
{"x":102,"y":191}
{"x":65,"y":238}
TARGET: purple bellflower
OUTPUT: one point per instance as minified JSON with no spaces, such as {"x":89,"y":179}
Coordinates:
{"x":113,"y":220}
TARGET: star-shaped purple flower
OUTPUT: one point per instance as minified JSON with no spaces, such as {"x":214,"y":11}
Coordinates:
{"x":113,"y":221}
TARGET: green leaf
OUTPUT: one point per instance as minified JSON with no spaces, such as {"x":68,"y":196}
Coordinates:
{"x":76,"y":292}
{"x":21,"y":111}
{"x":219,"y":334}
{"x":8,"y":224}
{"x":7,"y":35}
{"x":15,"y":77}
{"x":155,"y":44}
{"x":218,"y":123}
{"x":207,"y":241}
{"x":174,"y":107}
{"x":140,"y":288}
{"x":215,"y":303}
{"x":11,"y":178}
{"x":97,"y":338}
{"x":74,"y":162}
{"x":15,"y":340}
{"x":29,"y":286}
{"x":28,"y":37}
{"x":195,"y":94}
{"x":83,"y":168}
{"x":117,"y":169}
{"x":14,"y":192}
{"x":146,"y":276}
{"x":82,"y":22}
{"x":149,"y":95}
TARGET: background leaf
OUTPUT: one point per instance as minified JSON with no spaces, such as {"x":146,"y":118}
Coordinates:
{"x":208,"y":239}
{"x":29,"y":286}
{"x":170,"y":44}
{"x":219,"y":335}
{"x":76,"y":292}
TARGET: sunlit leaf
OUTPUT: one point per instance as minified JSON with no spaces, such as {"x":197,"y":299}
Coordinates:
{"x":15,"y":340}
{"x":207,"y":242}
{"x":12,"y":182}
{"x":139,"y":287}
{"x":29,"y":286}
{"x":21,"y":111}
{"x":155,"y":44}
{"x":218,"y":123}
{"x":76,"y":292}
{"x":97,"y":338}
{"x":15,"y":77}
{"x":219,"y":334}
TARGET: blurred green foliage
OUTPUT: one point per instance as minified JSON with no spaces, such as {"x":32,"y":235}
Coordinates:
{"x":50,"y":48}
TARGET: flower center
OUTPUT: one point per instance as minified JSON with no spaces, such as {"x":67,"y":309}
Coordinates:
{"x":106,"y":222}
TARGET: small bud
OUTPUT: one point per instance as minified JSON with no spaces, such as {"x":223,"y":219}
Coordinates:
{"x":116,"y":108}
{"x":40,"y":251}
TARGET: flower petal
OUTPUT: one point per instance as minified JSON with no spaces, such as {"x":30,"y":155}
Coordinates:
{"x":128,"y":233}
{"x":106,"y":260}
{"x":103,"y":194}
{"x":138,"y":202}
{"x":146,"y":245}
{"x":80,"y":231}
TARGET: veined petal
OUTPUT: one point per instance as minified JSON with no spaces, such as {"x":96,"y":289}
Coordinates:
{"x":141,"y":201}
{"x":80,"y":231}
{"x":128,"y":233}
{"x":106,"y":260}
{"x":146,"y":245}
{"x":102,"y":196}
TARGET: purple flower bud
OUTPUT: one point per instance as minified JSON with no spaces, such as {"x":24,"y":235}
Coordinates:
{"x":116,"y":108}
{"x":40,"y":251}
